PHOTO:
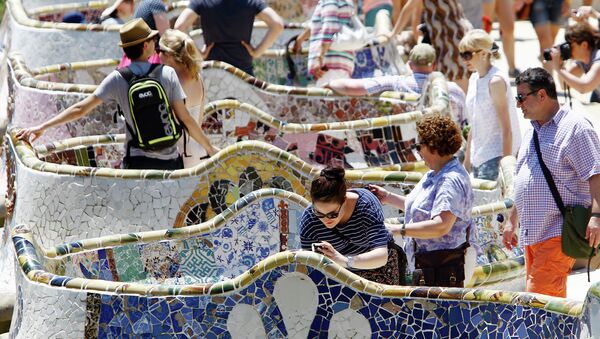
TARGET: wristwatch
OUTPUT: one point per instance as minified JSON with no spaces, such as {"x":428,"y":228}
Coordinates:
{"x":403,"y":229}
{"x":350,"y":261}
{"x":595,"y":215}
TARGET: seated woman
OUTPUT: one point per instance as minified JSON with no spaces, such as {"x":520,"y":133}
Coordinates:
{"x":177,"y":49}
{"x":438,"y":210}
{"x":347,"y":227}
{"x":584,"y":74}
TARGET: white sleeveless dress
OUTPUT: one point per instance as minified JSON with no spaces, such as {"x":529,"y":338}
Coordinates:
{"x":193,"y":150}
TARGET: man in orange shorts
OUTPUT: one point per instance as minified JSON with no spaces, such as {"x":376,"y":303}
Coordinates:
{"x":570,"y":150}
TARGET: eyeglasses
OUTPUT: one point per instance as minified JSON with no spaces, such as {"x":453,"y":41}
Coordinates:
{"x":468,"y":55}
{"x":520,"y":97}
{"x":330,"y":215}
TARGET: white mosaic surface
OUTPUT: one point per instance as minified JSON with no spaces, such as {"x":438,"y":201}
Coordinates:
{"x":39,"y":317}
{"x":71,"y":208}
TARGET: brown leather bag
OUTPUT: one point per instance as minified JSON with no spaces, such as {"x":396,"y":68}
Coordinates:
{"x":444,"y":268}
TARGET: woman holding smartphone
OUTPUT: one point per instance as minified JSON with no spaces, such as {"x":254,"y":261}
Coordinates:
{"x":346,"y":225}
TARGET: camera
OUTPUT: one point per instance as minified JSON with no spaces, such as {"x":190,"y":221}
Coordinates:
{"x":564,"y":49}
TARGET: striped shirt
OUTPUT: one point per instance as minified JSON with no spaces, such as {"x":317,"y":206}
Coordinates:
{"x":414,"y":84}
{"x":364,"y":231}
{"x":571,"y":151}
{"x":328,"y":18}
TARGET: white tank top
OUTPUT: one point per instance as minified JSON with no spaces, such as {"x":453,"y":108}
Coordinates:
{"x":192,"y":148}
{"x":486,"y":134}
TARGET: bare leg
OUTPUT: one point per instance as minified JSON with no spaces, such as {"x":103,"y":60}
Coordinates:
{"x":488,"y":9}
{"x":546,"y":40}
{"x":506,"y":18}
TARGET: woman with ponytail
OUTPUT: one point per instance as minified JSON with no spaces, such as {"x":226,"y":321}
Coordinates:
{"x":346,"y":225}
{"x":584,"y":74}
{"x":491,"y":107}
{"x":177,"y":49}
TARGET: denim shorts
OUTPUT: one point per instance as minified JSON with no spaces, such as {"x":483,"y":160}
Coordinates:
{"x":545,"y":11}
{"x":488,"y":170}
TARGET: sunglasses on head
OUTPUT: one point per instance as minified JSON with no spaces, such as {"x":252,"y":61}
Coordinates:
{"x":521,"y":97}
{"x":468,"y":55}
{"x":330,"y":215}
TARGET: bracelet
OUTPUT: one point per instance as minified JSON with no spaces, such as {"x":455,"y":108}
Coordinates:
{"x":350,"y":261}
{"x":403,"y":229}
{"x":595,"y":214}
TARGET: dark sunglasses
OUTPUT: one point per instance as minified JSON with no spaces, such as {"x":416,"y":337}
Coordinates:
{"x":330,"y":215}
{"x":520,"y":97}
{"x":468,"y":55}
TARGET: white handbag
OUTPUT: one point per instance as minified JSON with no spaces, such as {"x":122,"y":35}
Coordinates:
{"x":350,"y":38}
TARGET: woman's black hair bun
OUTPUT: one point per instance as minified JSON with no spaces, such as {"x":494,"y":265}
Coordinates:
{"x":333,"y":173}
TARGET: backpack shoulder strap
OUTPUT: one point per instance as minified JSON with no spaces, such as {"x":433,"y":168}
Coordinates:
{"x":155,"y":70}
{"x":126,"y":73}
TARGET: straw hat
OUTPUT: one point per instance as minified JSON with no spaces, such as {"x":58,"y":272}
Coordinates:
{"x":135,"y":32}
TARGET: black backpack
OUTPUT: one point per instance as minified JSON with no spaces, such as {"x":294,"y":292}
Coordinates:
{"x":155,"y":126}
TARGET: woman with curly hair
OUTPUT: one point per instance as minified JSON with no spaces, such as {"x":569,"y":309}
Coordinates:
{"x":177,"y":49}
{"x":437,"y":219}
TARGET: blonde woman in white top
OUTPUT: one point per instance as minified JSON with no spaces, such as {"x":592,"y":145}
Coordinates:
{"x":490,"y":106}
{"x":177,"y":49}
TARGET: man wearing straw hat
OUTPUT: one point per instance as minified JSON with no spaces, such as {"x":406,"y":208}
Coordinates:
{"x":138,"y":42}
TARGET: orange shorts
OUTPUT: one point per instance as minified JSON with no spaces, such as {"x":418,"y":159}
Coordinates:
{"x":547,"y":268}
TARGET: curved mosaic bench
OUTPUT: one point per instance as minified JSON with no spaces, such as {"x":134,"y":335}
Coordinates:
{"x":291,"y":11}
{"x":100,"y":288}
{"x":40,"y":29}
{"x":69,"y":202}
{"x":359,"y":144}
{"x":36,"y":95}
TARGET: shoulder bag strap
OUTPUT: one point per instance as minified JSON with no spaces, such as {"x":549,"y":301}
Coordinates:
{"x":548,"y":175}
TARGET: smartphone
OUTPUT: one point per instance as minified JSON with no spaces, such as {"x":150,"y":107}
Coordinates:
{"x":315,"y":247}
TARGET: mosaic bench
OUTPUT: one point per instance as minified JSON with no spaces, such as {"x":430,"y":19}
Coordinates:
{"x":77,"y":192}
{"x":290,"y":11}
{"x":41,"y":29}
{"x":135,"y":285}
{"x":36,"y":95}
{"x":360,"y":144}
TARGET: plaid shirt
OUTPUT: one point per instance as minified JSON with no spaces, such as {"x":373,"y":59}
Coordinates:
{"x":571,"y":151}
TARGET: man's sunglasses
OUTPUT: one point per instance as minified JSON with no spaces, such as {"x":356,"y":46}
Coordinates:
{"x":468,"y":55}
{"x":521,"y":97}
{"x":330,"y":215}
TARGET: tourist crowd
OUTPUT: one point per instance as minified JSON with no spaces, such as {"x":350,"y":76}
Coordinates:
{"x":438,"y":245}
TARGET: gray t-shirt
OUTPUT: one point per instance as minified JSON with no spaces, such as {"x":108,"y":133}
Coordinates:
{"x":115,"y":88}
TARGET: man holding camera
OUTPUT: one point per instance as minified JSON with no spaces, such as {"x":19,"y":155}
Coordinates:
{"x":570,"y":149}
{"x":582,"y":45}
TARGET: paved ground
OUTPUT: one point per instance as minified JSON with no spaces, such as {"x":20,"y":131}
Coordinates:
{"x":526,"y":47}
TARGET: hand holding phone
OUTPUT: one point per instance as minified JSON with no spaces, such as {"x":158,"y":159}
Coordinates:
{"x":316,"y":247}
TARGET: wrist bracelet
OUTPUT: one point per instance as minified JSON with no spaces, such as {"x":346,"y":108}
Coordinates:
{"x":595,"y":214}
{"x":403,"y":229}
{"x":350,"y":261}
